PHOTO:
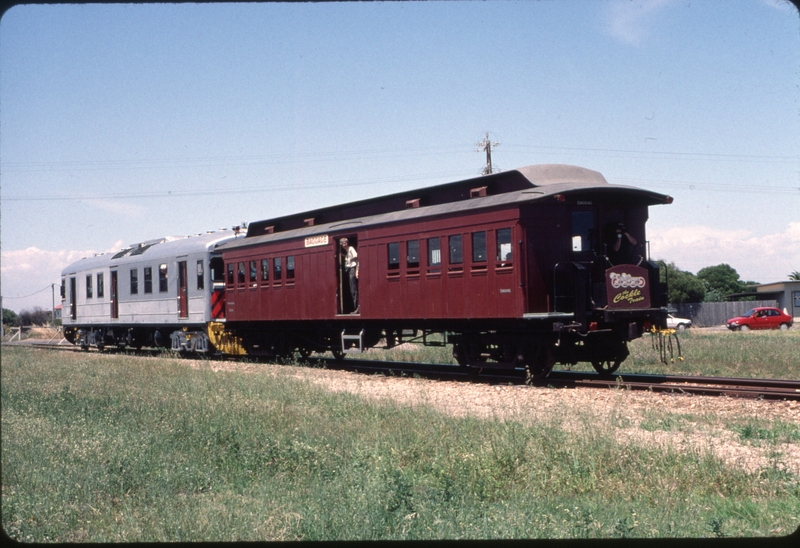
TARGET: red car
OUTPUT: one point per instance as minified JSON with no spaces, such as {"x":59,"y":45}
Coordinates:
{"x":761,"y":318}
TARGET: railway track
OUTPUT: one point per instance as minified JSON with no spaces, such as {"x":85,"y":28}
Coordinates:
{"x":706,"y":386}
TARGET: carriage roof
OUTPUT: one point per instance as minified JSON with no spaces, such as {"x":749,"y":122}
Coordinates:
{"x":151,"y":250}
{"x":526,"y":184}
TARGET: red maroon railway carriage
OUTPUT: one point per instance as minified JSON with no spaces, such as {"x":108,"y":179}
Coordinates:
{"x":513,"y":269}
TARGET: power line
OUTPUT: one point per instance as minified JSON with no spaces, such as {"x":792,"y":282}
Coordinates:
{"x":222,"y":161}
{"x":711,"y":187}
{"x":31,"y":295}
{"x":231,"y":190}
{"x":704,"y":156}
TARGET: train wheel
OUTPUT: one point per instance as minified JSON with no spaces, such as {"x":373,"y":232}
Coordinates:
{"x":606,"y":367}
{"x":539,"y":362}
{"x":338,"y":355}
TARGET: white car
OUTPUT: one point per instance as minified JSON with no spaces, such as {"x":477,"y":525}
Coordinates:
{"x":678,"y":323}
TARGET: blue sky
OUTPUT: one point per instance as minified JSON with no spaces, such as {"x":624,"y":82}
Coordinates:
{"x":122,"y":123}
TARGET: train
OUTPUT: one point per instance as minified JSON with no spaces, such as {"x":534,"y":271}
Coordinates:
{"x":520,"y":269}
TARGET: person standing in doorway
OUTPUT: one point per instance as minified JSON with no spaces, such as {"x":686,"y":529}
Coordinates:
{"x":351,"y":267}
{"x":622,"y":245}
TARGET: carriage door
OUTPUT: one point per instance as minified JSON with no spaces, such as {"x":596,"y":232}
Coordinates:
{"x":114,"y":293}
{"x":344,"y":300}
{"x":73,"y":306}
{"x":183,"y":300}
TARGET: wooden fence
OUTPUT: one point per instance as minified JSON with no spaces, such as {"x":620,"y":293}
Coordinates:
{"x":711,"y":314}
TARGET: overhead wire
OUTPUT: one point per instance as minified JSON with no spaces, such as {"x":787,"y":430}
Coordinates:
{"x":49,"y":286}
{"x":224,"y":161}
{"x":233,"y":190}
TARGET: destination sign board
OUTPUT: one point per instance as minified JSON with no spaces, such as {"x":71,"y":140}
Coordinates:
{"x":315,"y":241}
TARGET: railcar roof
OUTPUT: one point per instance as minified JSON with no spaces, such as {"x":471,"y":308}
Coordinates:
{"x":492,"y":185}
{"x":155,"y":250}
{"x":527,"y":184}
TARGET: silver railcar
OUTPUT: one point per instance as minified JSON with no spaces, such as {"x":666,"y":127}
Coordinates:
{"x":158,"y":293}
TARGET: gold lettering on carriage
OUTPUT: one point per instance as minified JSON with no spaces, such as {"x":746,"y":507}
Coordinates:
{"x":629,"y":296}
{"x":314,"y":241}
{"x":627,"y":286}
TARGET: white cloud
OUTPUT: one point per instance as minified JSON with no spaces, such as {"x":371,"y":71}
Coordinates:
{"x":763,"y":259}
{"x":630,"y":22}
{"x":27,"y":274}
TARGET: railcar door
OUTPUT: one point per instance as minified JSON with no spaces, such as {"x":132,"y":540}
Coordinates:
{"x":345,"y":303}
{"x":73,"y":305}
{"x":114,"y":293}
{"x":183,"y":298}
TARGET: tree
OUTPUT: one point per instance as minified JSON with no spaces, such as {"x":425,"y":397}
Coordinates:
{"x":9,"y":317}
{"x":682,"y":286}
{"x":720,"y":280}
{"x":795,"y":276}
{"x":37,"y":316}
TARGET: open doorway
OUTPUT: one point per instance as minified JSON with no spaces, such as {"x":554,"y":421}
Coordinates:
{"x":347,"y":274}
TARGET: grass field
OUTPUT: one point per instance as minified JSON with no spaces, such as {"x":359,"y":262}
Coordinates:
{"x":113,"y":448}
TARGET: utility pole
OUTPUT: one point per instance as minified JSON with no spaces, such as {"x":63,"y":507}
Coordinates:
{"x":486,"y":145}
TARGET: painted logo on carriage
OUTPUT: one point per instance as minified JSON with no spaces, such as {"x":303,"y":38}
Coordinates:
{"x":627,"y":287}
{"x":625,"y":280}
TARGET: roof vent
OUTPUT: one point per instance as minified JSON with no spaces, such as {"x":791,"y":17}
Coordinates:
{"x":411,"y":204}
{"x":309,"y":221}
{"x":478,"y":192}
{"x":268,"y":229}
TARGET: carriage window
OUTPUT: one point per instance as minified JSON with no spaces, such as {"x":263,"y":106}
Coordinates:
{"x":89,"y":286}
{"x":100,"y":290}
{"x":240,"y":273}
{"x":134,"y":281}
{"x":200,"y":279}
{"x":264,"y":270}
{"x":504,"y":245}
{"x":230,"y":273}
{"x":253,"y":271}
{"x":412,"y":256}
{"x":162,"y":278}
{"x":456,"y":255}
{"x":276,"y":264}
{"x":63,"y":289}
{"x":479,"y":247}
{"x":434,"y":252}
{"x":394,"y":256}
{"x":582,"y":230}
{"x":290,"y":267}
{"x":148,"y":279}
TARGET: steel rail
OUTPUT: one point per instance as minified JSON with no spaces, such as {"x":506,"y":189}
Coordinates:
{"x":678,"y":384}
